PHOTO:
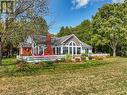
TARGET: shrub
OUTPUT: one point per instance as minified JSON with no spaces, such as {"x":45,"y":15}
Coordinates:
{"x":96,"y":57}
{"x":99,"y":58}
{"x":68,"y":58}
{"x":24,"y":66}
{"x":41,"y":64}
{"x":83,"y":57}
{"x":49,"y":63}
{"x":21,"y":67}
{"x":62,"y":59}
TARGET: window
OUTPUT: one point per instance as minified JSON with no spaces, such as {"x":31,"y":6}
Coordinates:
{"x":74,"y":50}
{"x":41,"y":50}
{"x":65,"y":50}
{"x":72,"y":43}
{"x":87,"y":50}
{"x":78,"y":50}
{"x":70,"y":50}
{"x":58,"y":51}
{"x":54,"y":50}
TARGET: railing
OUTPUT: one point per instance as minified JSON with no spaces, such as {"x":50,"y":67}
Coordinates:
{"x":99,"y":55}
{"x":40,"y":58}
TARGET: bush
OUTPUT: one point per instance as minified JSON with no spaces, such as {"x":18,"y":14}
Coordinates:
{"x":68,"y":58}
{"x":96,"y":57}
{"x":83,"y":57}
{"x":24,"y":66}
{"x":48,"y":63}
{"x":62,"y":59}
{"x":41,"y":64}
{"x":21,"y":65}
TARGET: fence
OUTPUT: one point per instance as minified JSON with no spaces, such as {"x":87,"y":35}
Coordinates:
{"x":37,"y":59}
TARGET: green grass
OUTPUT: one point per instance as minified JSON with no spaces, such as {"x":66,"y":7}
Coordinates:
{"x":107,"y":77}
{"x":9,"y":68}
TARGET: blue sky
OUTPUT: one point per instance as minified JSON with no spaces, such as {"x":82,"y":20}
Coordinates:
{"x":72,"y":12}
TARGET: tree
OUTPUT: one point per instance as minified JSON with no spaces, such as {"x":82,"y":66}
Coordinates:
{"x":110,"y":25}
{"x":84,"y":31}
{"x":23,"y":9}
{"x":64,"y":31}
{"x":38,"y":25}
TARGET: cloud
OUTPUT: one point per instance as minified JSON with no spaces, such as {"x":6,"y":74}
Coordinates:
{"x":118,"y":1}
{"x":79,"y":3}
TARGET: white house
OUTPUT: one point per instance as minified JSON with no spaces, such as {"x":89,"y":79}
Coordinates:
{"x":35,"y":45}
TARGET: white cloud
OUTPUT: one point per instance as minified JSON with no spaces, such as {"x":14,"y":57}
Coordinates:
{"x":118,"y":1}
{"x":77,"y":4}
{"x":80,"y":3}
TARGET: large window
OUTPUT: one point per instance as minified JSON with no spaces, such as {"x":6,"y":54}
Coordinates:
{"x":74,"y":50}
{"x":87,"y":50}
{"x":72,"y":43}
{"x":65,"y":50}
{"x":78,"y":50}
{"x":54,"y":50}
{"x":41,"y":50}
{"x":70,"y":49}
{"x":58,"y":51}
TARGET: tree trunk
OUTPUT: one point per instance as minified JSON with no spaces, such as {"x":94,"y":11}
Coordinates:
{"x":11,"y":49}
{"x":114,"y":52}
{"x":0,"y":52}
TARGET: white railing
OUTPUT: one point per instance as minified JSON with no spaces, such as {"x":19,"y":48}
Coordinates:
{"x":40,"y":58}
{"x":99,"y":55}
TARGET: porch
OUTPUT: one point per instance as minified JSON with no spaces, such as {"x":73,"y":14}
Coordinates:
{"x":58,"y":50}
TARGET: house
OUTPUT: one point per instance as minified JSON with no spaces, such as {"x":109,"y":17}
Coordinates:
{"x":40,"y":46}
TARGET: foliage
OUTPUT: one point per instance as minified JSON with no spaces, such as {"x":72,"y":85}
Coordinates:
{"x":108,"y":26}
{"x":82,"y":31}
{"x":49,"y":63}
{"x":62,"y":59}
{"x":16,"y":23}
{"x":83,"y":56}
{"x":68,"y":58}
{"x":11,"y":67}
{"x":106,"y":32}
{"x":96,"y":57}
{"x":64,"y":31}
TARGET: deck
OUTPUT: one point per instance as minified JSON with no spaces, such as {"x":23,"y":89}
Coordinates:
{"x":37,"y":59}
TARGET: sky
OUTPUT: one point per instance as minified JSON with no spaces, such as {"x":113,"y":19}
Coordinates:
{"x":72,"y":12}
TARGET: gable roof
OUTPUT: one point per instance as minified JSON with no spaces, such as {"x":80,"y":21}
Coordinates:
{"x":63,"y":39}
{"x":85,"y":45}
{"x":24,"y":44}
{"x":42,"y":39}
{"x":56,"y":40}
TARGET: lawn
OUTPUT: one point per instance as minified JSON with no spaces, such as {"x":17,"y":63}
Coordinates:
{"x":108,"y":77}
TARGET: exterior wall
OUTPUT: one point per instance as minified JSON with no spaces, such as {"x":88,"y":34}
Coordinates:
{"x":38,"y":50}
{"x":90,"y":50}
{"x":29,"y":40}
{"x":83,"y":51}
{"x":58,"y":50}
{"x":25,"y":51}
{"x":86,"y":50}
